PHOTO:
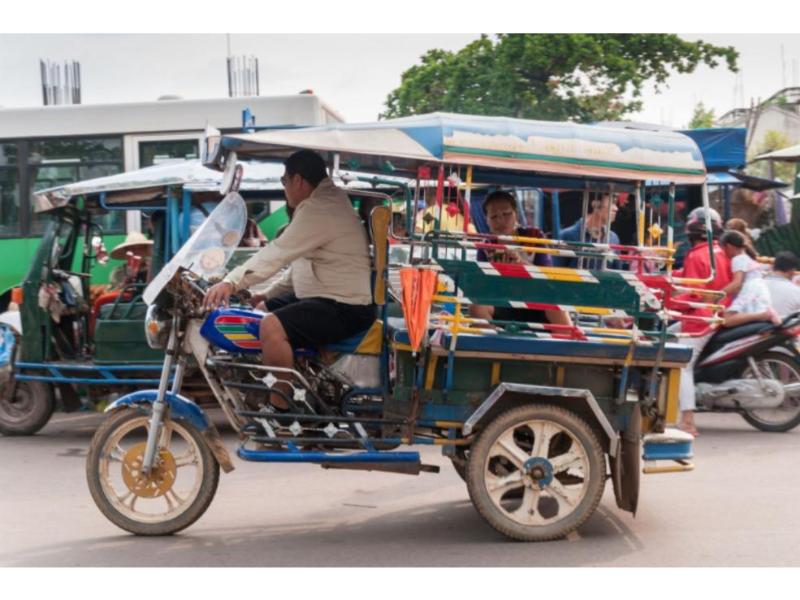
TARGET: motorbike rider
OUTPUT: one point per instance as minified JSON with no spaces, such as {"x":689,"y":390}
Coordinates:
{"x":324,"y":296}
{"x":780,"y":282}
{"x":697,"y":265}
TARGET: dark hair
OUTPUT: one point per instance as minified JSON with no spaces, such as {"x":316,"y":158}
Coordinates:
{"x":308,"y":164}
{"x":785,"y":261}
{"x":497,"y":196}
{"x":737,"y":240}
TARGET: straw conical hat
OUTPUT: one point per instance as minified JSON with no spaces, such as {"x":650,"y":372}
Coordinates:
{"x":136,"y":242}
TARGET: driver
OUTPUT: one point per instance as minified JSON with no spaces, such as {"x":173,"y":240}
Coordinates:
{"x":324,"y":296}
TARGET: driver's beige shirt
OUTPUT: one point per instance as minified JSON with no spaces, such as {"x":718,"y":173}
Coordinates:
{"x":326,"y":248}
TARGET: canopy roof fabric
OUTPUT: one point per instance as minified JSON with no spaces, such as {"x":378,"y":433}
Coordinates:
{"x":186,"y":174}
{"x":544,"y":147}
{"x":791,"y":154}
{"x":189,"y":174}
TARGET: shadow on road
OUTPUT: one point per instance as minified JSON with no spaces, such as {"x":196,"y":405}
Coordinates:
{"x":445,"y":534}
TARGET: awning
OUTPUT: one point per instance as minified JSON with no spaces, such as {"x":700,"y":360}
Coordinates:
{"x":722,"y":147}
{"x":749,"y":182}
{"x":791,"y":154}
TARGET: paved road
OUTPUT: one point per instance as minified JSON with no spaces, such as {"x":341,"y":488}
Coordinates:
{"x":739,"y":507}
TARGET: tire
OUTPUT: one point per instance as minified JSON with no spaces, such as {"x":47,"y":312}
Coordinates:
{"x":119,"y":490}
{"x":786,"y":416}
{"x":28,"y":410}
{"x":508,"y":450}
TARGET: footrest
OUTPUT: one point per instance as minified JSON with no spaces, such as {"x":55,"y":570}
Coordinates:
{"x":316,"y":456}
{"x":674,"y":445}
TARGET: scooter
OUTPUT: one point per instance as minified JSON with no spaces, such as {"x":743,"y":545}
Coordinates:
{"x":753,"y":370}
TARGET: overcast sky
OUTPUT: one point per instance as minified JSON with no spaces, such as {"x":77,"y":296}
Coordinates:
{"x":351,"y":72}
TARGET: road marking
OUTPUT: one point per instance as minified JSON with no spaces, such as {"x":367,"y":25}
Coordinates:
{"x":358,"y":505}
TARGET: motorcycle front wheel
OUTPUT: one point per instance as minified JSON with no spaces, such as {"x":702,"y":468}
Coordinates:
{"x":786,"y":416}
{"x":175,"y":493}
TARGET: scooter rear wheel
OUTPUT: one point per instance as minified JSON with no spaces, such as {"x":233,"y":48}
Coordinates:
{"x":176,"y":492}
{"x":786,"y":416}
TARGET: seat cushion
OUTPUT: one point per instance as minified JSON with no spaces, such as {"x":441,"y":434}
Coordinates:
{"x":364,"y":342}
{"x":729,"y":334}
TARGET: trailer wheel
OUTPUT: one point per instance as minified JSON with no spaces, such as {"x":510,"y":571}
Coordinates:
{"x":536,"y":473}
{"x":28,"y":409}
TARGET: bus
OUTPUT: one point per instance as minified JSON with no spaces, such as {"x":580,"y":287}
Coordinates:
{"x":48,"y":146}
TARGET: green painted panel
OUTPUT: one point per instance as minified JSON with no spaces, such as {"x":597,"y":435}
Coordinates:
{"x":611,"y":290}
{"x":18,"y":254}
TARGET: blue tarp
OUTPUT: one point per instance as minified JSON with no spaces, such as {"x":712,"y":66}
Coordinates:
{"x":723,"y":148}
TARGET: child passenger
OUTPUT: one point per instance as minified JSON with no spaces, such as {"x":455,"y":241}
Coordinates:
{"x":752,"y":301}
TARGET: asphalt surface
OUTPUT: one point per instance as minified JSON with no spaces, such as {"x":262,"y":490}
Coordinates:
{"x":738,"y":508}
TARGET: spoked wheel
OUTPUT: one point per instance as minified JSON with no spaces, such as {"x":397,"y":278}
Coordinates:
{"x":536,"y":473}
{"x":28,"y":409}
{"x":172,"y":496}
{"x":786,"y":416}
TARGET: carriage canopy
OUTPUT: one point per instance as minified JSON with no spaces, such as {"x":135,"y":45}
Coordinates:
{"x":545,"y":147}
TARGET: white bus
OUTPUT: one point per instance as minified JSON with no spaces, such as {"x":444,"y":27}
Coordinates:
{"x":48,"y":146}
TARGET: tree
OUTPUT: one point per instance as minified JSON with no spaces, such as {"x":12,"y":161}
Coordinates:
{"x":575,"y":77}
{"x":702,"y":117}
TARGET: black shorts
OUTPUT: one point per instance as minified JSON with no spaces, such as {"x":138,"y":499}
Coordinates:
{"x":313,"y":322}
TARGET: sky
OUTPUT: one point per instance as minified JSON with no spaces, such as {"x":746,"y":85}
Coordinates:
{"x":353,"y":73}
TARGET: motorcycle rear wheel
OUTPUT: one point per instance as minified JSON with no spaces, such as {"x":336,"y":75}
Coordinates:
{"x":174,"y":495}
{"x":786,"y":416}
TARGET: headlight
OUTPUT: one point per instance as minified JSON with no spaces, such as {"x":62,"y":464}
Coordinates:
{"x":157,"y":323}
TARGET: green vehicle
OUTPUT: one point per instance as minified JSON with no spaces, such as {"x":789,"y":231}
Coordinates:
{"x":77,"y":344}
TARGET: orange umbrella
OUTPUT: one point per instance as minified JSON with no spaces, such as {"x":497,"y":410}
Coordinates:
{"x":418,"y":287}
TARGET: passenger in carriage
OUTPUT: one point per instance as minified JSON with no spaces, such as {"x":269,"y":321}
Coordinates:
{"x":500,"y":209}
{"x":596,"y":222}
{"x":324,"y":296}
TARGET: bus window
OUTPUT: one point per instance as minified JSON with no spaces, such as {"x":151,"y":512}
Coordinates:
{"x":9,"y":190}
{"x":155,"y":152}
{"x":58,"y":162}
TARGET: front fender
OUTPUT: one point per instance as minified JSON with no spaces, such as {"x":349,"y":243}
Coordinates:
{"x":181,"y":409}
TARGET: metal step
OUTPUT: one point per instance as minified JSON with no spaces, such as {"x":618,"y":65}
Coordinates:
{"x":672,"y":445}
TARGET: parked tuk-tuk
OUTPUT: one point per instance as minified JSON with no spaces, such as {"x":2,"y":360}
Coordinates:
{"x":67,"y":335}
{"x":534,"y":416}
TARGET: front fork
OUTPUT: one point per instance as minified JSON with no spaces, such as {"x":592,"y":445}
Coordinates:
{"x":160,"y":403}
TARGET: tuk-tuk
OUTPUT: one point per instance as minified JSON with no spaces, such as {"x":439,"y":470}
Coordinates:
{"x":71,"y":337}
{"x":534,"y":416}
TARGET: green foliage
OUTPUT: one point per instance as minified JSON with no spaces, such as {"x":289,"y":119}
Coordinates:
{"x":702,"y":118}
{"x":773,"y":140}
{"x":561,"y":77}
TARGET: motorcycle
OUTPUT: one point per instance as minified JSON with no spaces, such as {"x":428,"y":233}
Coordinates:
{"x":753,"y":370}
